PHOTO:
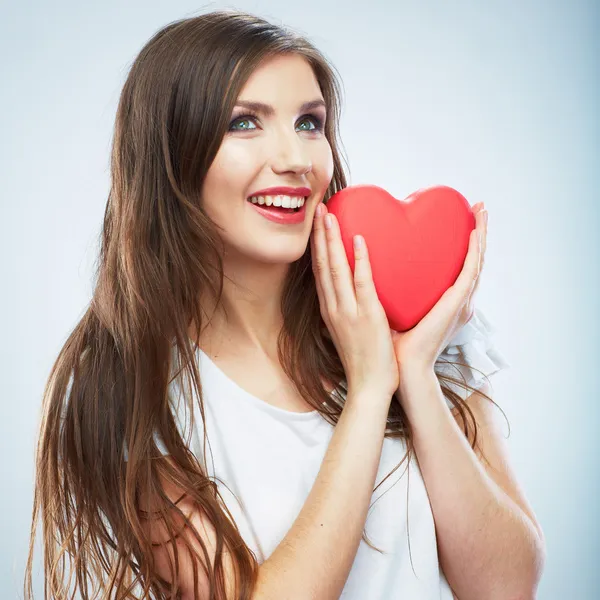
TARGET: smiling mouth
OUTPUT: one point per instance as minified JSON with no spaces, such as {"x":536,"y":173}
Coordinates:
{"x":281,"y":209}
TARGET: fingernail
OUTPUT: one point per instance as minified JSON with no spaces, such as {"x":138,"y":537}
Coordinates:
{"x":328,"y":222}
{"x":319,"y":210}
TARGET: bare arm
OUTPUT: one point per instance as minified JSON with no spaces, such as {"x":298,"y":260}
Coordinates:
{"x":489,"y":543}
{"x":315,"y":557}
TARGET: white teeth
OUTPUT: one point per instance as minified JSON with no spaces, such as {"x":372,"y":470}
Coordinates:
{"x":280,"y":200}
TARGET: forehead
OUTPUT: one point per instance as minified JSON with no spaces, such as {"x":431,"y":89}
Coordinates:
{"x":281,"y":79}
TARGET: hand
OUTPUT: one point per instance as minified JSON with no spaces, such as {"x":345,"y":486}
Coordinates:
{"x":420,"y":346}
{"x":352,"y":311}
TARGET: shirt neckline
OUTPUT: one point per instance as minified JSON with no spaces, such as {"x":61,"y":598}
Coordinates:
{"x":265,"y":406}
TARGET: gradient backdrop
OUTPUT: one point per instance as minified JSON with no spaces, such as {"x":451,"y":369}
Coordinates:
{"x":497,"y":99}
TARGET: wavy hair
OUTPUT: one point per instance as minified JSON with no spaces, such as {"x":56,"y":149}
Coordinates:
{"x":108,"y":389}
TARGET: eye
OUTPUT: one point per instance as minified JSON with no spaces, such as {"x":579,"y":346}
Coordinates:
{"x":318,"y":123}
{"x":248,"y":117}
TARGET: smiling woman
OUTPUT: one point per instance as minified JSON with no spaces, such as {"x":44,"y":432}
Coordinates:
{"x":206,"y":325}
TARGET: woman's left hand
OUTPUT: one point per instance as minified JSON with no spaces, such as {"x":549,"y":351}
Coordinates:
{"x":420,"y":346}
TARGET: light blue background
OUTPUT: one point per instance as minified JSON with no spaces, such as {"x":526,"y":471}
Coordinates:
{"x":497,"y":99}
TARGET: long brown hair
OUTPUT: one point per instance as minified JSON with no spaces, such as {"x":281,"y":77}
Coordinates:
{"x":108,"y":390}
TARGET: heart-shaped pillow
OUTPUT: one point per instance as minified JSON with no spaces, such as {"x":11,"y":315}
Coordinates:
{"x":417,"y":246}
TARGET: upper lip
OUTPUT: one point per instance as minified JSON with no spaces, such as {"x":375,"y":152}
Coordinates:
{"x":287,"y":191}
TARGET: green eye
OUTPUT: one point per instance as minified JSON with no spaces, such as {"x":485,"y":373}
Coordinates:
{"x":318,"y":124}
{"x":239,"y":120}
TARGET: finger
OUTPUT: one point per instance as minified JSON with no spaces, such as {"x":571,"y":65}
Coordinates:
{"x":341,"y":274}
{"x":485,"y":229}
{"x":366,"y":294}
{"x":321,"y":265}
{"x":483,"y":214}
{"x":322,"y":301}
{"x":319,"y":286}
{"x":471,"y":269}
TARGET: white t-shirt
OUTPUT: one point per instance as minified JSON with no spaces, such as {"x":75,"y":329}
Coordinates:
{"x":269,"y":457}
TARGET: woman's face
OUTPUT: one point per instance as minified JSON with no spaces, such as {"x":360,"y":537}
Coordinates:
{"x":285,"y":148}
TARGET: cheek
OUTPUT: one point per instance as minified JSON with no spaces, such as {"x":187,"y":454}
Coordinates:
{"x":226,"y":182}
{"x":323,"y":165}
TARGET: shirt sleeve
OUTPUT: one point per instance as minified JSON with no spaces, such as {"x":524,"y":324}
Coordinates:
{"x":473,"y":345}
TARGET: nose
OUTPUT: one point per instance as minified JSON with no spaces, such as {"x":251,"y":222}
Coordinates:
{"x":290,"y":153}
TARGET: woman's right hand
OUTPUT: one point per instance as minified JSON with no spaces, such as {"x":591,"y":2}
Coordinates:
{"x":352,"y":311}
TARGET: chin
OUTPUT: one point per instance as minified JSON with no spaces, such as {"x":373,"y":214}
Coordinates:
{"x":286,"y":253}
{"x":282,"y":257}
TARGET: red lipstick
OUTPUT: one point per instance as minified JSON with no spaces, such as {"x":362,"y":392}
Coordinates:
{"x":288,"y":191}
{"x":279,"y":214}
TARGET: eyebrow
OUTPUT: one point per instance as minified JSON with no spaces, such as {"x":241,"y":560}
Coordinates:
{"x":269,"y":111}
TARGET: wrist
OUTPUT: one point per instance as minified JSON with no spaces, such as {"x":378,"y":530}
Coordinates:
{"x":371,"y":387}
{"x":415,"y":370}
{"x":414,"y":378}
{"x":371,"y":398}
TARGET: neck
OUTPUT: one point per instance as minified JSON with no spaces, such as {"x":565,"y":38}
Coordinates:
{"x":249,"y":316}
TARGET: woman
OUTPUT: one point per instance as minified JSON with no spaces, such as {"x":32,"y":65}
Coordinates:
{"x":214,"y":322}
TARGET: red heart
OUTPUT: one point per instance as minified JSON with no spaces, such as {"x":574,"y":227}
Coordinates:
{"x":417,"y":246}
